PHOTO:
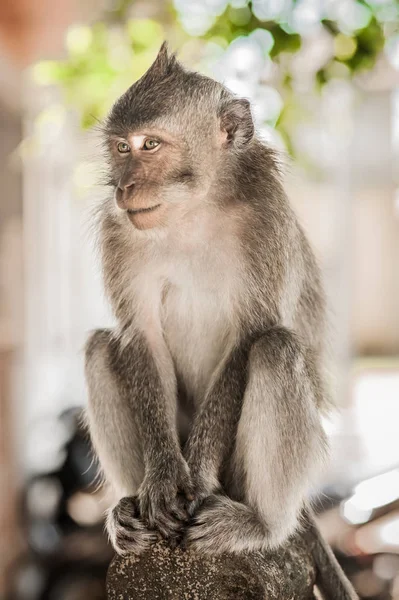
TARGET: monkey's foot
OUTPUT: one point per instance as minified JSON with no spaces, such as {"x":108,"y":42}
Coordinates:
{"x":127,"y":532}
{"x":223,"y":525}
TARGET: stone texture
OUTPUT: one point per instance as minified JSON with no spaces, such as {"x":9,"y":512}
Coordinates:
{"x":165,"y":574}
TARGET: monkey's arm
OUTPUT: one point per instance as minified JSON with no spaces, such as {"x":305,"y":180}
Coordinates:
{"x":132,"y":424}
{"x":213,"y":432}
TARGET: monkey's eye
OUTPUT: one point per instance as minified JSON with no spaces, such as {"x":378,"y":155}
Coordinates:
{"x":123,"y":147}
{"x":150,"y":144}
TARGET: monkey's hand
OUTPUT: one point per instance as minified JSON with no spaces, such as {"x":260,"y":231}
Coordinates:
{"x":164,"y":495}
{"x":203,"y":487}
{"x":126,"y":530}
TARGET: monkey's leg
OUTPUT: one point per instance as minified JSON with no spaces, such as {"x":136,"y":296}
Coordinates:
{"x":115,"y":438}
{"x":118,"y":392}
{"x":280,"y":446}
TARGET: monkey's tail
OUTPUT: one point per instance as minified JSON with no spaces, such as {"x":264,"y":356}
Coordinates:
{"x":331,"y":580}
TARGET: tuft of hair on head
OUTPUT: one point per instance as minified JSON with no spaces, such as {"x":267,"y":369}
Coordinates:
{"x":148,"y":97}
{"x":164,"y":64}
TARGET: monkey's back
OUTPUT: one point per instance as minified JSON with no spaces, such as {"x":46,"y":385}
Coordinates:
{"x":283,"y":277}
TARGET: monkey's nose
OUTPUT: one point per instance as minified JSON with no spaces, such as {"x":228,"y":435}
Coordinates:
{"x":123,"y":193}
{"x":128,"y":185}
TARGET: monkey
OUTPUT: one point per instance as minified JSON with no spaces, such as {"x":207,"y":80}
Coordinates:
{"x":205,"y":401}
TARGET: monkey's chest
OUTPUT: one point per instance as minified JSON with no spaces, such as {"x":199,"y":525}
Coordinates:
{"x":197,"y":331}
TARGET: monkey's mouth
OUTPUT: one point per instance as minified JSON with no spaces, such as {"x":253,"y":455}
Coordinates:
{"x":142,"y":210}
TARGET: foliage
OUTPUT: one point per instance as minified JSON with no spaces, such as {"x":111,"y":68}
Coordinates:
{"x":103,"y":59}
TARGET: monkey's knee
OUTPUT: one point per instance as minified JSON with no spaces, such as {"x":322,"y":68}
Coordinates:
{"x":98,"y":340}
{"x":279,"y":349}
{"x":289,"y":364}
{"x":97,"y":360}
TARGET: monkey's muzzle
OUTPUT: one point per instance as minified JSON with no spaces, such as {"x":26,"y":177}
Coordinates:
{"x":137,"y":211}
{"x":145,"y":218}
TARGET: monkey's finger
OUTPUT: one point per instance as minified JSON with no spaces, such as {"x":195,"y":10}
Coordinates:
{"x":163,"y":513}
{"x":191,"y":536}
{"x":187,"y":489}
{"x":144,"y":507}
{"x":127,"y":541}
{"x":198,"y":520}
{"x":168,"y":521}
{"x":155,"y":508}
{"x":126,"y":506}
{"x":179,"y":510}
{"x":126,"y":511}
{"x":194,"y":506}
{"x":168,"y":528}
{"x":189,"y":492}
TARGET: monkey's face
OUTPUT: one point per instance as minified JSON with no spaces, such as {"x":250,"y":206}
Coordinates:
{"x":154,"y":176}
{"x":168,"y":138}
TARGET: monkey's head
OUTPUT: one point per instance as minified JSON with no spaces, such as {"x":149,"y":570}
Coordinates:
{"x":169,"y":139}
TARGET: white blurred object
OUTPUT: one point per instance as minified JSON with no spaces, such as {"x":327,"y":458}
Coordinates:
{"x":272,"y":137}
{"x":63,"y":291}
{"x":381,"y":535}
{"x":356,"y":514}
{"x":392,"y":51}
{"x":197,"y":16}
{"x":268,"y":10}
{"x":365,"y":434}
{"x":43,"y":497}
{"x":264,"y":38}
{"x":386,"y":566}
{"x":389,"y":533}
{"x":243,"y":61}
{"x":45,"y":450}
{"x":306,"y":16}
{"x":350,"y":15}
{"x":314,"y":53}
{"x":371,"y":494}
{"x":85,"y":509}
{"x":242,"y":67}
{"x":267,"y":104}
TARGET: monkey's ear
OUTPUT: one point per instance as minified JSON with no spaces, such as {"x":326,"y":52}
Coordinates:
{"x":164,"y":62}
{"x":236,"y":122}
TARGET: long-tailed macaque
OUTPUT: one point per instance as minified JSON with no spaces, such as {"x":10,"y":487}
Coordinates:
{"x":205,"y":402}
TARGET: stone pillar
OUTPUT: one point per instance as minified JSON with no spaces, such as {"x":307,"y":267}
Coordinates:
{"x":165,"y":574}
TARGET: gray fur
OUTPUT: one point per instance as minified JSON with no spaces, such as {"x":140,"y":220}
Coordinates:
{"x":206,"y":401}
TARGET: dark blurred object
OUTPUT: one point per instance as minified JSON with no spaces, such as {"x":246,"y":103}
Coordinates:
{"x":68,"y":552}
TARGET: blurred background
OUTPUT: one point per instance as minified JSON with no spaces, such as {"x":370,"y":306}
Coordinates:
{"x":323,"y":76}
